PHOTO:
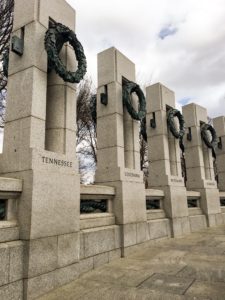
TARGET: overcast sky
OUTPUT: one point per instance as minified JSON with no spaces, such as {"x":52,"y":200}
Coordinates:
{"x":180,"y":43}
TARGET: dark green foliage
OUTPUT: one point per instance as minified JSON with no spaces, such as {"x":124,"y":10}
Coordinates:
{"x":91,"y":206}
{"x":152,"y":203}
{"x":192,"y":203}
{"x":2,"y":210}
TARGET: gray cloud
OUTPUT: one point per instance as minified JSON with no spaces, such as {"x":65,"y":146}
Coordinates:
{"x":190,"y":60}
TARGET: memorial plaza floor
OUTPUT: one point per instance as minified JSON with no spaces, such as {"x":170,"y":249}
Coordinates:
{"x":183,"y":268}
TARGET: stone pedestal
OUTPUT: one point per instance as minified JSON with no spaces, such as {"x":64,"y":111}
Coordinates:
{"x":199,"y":164}
{"x":219,"y":125}
{"x":39,"y":147}
{"x":164,"y":158}
{"x":118,"y":147}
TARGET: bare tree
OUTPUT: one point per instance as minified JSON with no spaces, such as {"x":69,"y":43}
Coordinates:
{"x":6,"y":24}
{"x":86,"y":129}
{"x":144,"y":161}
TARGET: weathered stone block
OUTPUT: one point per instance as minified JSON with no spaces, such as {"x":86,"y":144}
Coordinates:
{"x":194,"y":157}
{"x":25,"y":18}
{"x":4,"y":266}
{"x":158,"y":97}
{"x":157,"y":229}
{"x":42,"y":256}
{"x":112,"y":66}
{"x":132,"y":198}
{"x":92,"y":221}
{"x":129,"y":234}
{"x":159,"y":149}
{"x":58,"y":114}
{"x":116,"y":155}
{"x":12,"y":291}
{"x":118,"y":237}
{"x":9,"y":234}
{"x":67,"y":274}
{"x":34,"y":51}
{"x":209,"y":201}
{"x":110,"y":133}
{"x":197,"y":223}
{"x":28,"y":85}
{"x":86,"y":265}
{"x":161,"y":123}
{"x":101,"y":259}
{"x":114,"y":254}
{"x":81,"y":254}
{"x":193,"y":114}
{"x":68,"y":249}
{"x":16,"y":252}
{"x":141,"y":232}
{"x":124,"y":68}
{"x":175,"y":202}
{"x":115,"y":103}
{"x":54,"y":9}
{"x":106,"y":67}
{"x":48,"y":199}
{"x":219,"y":125}
{"x":16,"y":146}
{"x":99,"y":240}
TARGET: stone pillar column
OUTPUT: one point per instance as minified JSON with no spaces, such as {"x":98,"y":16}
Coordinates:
{"x":199,"y":164}
{"x":219,"y":125}
{"x":164,"y":158}
{"x":48,"y":209}
{"x":118,"y":147}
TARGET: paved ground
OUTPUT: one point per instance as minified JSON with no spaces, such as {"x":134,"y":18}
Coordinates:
{"x":189,"y":268}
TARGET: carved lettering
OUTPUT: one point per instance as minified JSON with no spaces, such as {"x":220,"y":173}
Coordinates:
{"x":132,"y":174}
{"x":176,"y":180}
{"x":57,"y":162}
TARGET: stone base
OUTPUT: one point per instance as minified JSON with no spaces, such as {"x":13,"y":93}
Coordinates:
{"x":98,"y":246}
{"x":12,"y":291}
{"x":40,"y":285}
{"x":210,"y":201}
{"x":198,"y":222}
{"x":215,"y":220}
{"x":139,"y":234}
{"x":11,"y":270}
{"x":180,"y":226}
{"x":47,"y":254}
{"x":99,"y":240}
{"x":175,"y":206}
{"x":133,"y":249}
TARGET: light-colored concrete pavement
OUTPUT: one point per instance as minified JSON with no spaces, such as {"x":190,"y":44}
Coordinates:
{"x":187,"y":268}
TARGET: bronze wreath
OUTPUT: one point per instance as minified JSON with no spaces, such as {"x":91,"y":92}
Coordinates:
{"x":172,"y":113}
{"x":55,"y":37}
{"x":209,"y":143}
{"x":170,"y":122}
{"x":130,"y":87}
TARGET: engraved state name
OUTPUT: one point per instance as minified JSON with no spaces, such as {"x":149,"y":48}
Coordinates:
{"x":57,"y":162}
{"x":176,"y":180}
{"x":210,"y":183}
{"x":132,"y":174}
